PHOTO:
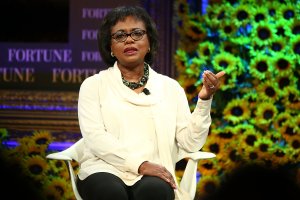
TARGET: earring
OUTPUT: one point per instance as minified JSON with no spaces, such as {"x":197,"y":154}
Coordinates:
{"x":112,"y":54}
{"x":149,"y":50}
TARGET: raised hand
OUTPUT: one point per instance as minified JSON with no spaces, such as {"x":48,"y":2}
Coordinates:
{"x":211,"y":83}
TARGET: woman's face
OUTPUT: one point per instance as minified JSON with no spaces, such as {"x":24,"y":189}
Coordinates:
{"x":130,"y":52}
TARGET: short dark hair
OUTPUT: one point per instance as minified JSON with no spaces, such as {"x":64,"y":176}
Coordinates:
{"x":118,"y":14}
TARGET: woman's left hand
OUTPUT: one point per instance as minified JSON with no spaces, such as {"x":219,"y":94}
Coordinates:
{"x":211,"y":84}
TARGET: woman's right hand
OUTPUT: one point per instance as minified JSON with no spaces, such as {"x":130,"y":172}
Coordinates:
{"x":152,"y":169}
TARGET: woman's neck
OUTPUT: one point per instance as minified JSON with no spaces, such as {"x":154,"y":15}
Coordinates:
{"x":132,"y":74}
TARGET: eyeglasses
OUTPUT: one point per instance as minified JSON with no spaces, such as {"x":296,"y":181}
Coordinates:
{"x":121,"y":36}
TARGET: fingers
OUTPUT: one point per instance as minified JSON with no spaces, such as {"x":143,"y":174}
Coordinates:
{"x":152,"y":169}
{"x":211,"y":80}
{"x":220,"y":74}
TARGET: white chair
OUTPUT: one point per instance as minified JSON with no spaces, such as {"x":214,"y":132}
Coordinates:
{"x":188,"y":181}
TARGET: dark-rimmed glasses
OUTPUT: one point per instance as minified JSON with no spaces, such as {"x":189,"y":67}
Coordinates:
{"x":121,"y":36}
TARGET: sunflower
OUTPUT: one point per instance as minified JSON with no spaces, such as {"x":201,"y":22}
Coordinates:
{"x":227,"y":29}
{"x":261,"y":67}
{"x":283,"y":28}
{"x":263,"y":146}
{"x":295,"y":46}
{"x":181,"y":60}
{"x":281,"y":118}
{"x":51,"y":193}
{"x":236,"y":111}
{"x":208,"y":167}
{"x":252,"y":155}
{"x":289,"y":129}
{"x":294,"y":141}
{"x":37,"y":150}
{"x":189,"y":85}
{"x":272,"y":7}
{"x":291,"y":99}
{"x":285,"y":81}
{"x":195,"y":67}
{"x":260,"y":14}
{"x":42,"y":137}
{"x":265,"y":113}
{"x":231,"y":156}
{"x":295,"y":27}
{"x":278,"y":44}
{"x":216,"y":14}
{"x":60,"y":185}
{"x":230,"y":48}
{"x":229,"y":63}
{"x":263,"y":33}
{"x":181,"y":8}
{"x":57,"y":165}
{"x":227,"y":133}
{"x":268,"y":91}
{"x":214,"y":145}
{"x":284,"y":64}
{"x":281,"y":154}
{"x":288,"y":12}
{"x":35,"y":166}
{"x":208,"y":185}
{"x":205,"y":50}
{"x":249,"y":137}
{"x":194,"y":30}
{"x":242,"y":14}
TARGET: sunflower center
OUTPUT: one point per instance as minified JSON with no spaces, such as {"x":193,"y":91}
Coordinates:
{"x":208,"y":166}
{"x":296,"y":29}
{"x":226,"y":135}
{"x":264,"y":33}
{"x":297,"y":48}
{"x":279,"y":153}
{"x":263,"y":147}
{"x":288,"y":14}
{"x":270,"y":92}
{"x":268,"y":114}
{"x":262,"y":66}
{"x":221,"y":15}
{"x":282,"y":64}
{"x":223,"y":63}
{"x":233,"y":156}
{"x":259,"y":17}
{"x":296,"y":144}
{"x":196,"y":30}
{"x":214,"y":148}
{"x":206,"y":52}
{"x":293,"y":99}
{"x":227,"y":29}
{"x":35,"y":169}
{"x":242,"y":14}
{"x":250,"y":140}
{"x":272,"y":11}
{"x":283,"y":82}
{"x":237,"y":111}
{"x":290,"y":131}
{"x":190,"y":89}
{"x":280,"y":31}
{"x":253,"y":155}
{"x":276,"y":46}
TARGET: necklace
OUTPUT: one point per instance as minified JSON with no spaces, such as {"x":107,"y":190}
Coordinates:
{"x":142,"y":82}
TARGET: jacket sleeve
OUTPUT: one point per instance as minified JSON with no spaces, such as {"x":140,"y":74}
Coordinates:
{"x":192,"y":128}
{"x":102,"y":144}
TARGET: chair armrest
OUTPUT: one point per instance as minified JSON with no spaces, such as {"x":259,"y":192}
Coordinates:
{"x":59,"y":156}
{"x":200,"y":155}
{"x":189,"y":181}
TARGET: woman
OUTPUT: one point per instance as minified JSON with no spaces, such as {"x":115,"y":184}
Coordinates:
{"x":132,"y":119}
